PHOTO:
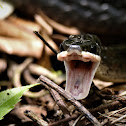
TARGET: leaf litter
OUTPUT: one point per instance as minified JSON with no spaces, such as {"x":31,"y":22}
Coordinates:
{"x":17,"y":45}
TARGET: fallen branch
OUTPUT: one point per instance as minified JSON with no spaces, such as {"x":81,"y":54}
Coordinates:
{"x":59,"y":102}
{"x":44,"y":81}
{"x":117,"y":120}
{"x":109,"y":106}
{"x":55,"y":94}
{"x":35,"y":118}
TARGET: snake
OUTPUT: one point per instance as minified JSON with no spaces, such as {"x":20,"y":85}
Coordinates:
{"x":81,"y":56}
{"x":85,"y":55}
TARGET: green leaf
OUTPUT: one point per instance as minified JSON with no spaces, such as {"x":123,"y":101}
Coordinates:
{"x":10,"y":97}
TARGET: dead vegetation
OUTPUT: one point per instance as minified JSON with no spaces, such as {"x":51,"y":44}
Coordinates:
{"x":24,"y":57}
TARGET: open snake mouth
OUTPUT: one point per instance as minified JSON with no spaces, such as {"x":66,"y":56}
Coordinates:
{"x":80,"y":70}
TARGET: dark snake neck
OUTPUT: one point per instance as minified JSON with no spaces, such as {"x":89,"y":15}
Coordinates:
{"x":112,"y":67}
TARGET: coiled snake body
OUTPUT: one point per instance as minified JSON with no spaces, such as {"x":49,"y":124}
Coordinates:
{"x":106,"y":18}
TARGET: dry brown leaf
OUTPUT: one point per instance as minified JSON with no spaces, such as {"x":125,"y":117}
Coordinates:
{"x":21,"y":47}
{"x":10,"y":29}
{"x":32,"y":26}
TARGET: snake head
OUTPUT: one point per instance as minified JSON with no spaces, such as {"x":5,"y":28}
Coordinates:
{"x":87,"y":42}
{"x":81,"y":56}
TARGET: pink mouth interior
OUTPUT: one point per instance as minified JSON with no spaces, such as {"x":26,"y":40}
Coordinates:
{"x":79,"y":76}
{"x":80,"y":71}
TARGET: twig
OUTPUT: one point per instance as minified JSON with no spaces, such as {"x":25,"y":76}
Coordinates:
{"x":117,"y":120}
{"x":45,"y":42}
{"x":35,"y":118}
{"x":59,"y":101}
{"x":112,"y":116}
{"x":44,"y":81}
{"x":77,"y":120}
{"x":117,"y":111}
{"x":51,"y":43}
{"x":109,"y":106}
{"x":55,"y":94}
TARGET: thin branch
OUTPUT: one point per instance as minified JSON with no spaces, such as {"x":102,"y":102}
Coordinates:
{"x":35,"y":118}
{"x":44,"y":81}
{"x":59,"y":101}
{"x":110,"y":106}
{"x":47,"y":44}
{"x":77,"y":120}
{"x":117,"y":120}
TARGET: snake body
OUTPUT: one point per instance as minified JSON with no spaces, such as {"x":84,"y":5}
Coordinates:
{"x":106,"y":18}
{"x":101,"y":17}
